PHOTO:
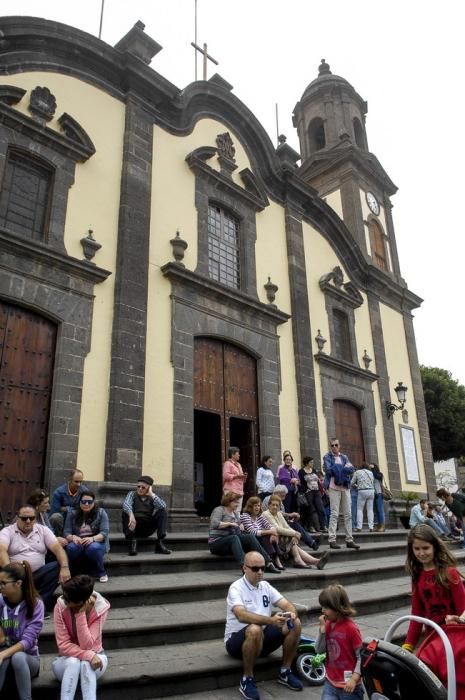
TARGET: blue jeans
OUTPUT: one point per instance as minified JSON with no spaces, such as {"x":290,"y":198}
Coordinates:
{"x":353,"y":506}
{"x":46,"y":580}
{"x":237,"y":545}
{"x":330,"y":692}
{"x":91,"y":556}
{"x":379,"y":508}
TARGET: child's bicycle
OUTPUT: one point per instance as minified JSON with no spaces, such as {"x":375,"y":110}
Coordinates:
{"x":310,"y":666}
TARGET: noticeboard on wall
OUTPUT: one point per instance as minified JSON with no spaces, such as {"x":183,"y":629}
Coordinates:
{"x":409,"y":451}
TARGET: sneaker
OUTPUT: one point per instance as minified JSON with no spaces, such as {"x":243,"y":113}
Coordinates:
{"x":334,"y":545}
{"x":352,"y":545}
{"x":103,"y":579}
{"x":288,"y":678}
{"x":248,"y":688}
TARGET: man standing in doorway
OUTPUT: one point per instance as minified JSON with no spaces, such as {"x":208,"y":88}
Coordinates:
{"x":233,"y":476}
{"x":338,"y":473}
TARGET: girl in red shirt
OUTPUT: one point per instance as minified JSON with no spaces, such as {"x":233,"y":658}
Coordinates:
{"x":437,"y":586}
{"x":340,"y":638}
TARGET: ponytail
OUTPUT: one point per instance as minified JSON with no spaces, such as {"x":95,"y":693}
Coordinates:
{"x":21,"y":571}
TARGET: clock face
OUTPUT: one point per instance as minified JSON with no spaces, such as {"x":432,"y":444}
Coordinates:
{"x":372,"y":203}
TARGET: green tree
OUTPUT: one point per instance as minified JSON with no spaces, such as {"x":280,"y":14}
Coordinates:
{"x":445,"y":408}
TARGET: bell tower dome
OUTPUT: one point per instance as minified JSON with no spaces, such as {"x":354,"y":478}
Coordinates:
{"x":330,"y":122}
{"x":329,"y":110}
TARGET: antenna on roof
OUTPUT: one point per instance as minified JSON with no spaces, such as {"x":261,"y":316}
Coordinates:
{"x":101,"y":19}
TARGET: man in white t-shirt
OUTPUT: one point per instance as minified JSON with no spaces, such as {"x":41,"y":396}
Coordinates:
{"x":252,"y":630}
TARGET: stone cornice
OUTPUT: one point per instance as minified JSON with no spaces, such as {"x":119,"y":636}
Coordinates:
{"x":345,"y":367}
{"x":33,"y":250}
{"x":209,"y":288}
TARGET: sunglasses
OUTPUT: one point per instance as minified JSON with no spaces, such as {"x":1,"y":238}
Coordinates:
{"x":25,"y":518}
{"x":255,"y":569}
{"x":334,"y":444}
{"x":87,"y":502}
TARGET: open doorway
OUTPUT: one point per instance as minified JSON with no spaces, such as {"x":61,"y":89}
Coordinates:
{"x":242,"y":435}
{"x":207,"y":461}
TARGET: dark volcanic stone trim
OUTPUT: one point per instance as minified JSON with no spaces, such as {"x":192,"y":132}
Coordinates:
{"x":352,"y":211}
{"x":126,"y":403}
{"x":417,"y":391}
{"x":198,"y":309}
{"x":63,"y":293}
{"x":389,"y":424}
{"x":301,"y":333}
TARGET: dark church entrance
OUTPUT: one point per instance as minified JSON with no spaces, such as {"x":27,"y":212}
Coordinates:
{"x":348,"y":422}
{"x":27,"y":351}
{"x":225,"y":413}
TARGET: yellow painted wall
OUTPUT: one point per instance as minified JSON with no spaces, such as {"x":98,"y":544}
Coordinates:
{"x":335,"y":202}
{"x":399,"y":370}
{"x":271,"y":261}
{"x":173,"y":183}
{"x":93,"y":203}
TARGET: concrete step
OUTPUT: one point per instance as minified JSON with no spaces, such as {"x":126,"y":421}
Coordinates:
{"x":184,"y":622}
{"x":180,"y":541}
{"x":139,"y":673}
{"x":181,"y":561}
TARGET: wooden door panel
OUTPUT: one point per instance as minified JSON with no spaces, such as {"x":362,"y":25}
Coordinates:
{"x":348,"y":422}
{"x":26,"y":370}
{"x":208,"y":375}
{"x":240,"y":380}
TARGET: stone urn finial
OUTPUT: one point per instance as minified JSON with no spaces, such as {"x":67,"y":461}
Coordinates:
{"x":179,"y":247}
{"x":90,"y":246}
{"x":366,"y":360}
{"x":271,"y":289}
{"x":320,"y":341}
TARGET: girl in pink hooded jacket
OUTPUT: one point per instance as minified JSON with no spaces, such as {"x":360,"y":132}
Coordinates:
{"x":79,"y":616}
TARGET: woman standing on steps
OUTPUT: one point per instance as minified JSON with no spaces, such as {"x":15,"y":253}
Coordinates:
{"x":79,"y":616}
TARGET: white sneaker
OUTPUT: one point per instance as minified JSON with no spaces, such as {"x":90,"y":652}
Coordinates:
{"x":103,"y":579}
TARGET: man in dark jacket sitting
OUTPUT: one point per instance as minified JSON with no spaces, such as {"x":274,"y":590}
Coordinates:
{"x":143,"y":513}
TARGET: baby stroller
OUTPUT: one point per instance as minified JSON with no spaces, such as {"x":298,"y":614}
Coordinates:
{"x":392,"y":673}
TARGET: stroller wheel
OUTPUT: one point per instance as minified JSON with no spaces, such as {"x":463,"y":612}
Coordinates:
{"x":309,"y":671}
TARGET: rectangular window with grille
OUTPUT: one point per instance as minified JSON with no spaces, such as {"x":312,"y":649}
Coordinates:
{"x":24,"y":199}
{"x":223,"y":247}
{"x":343,"y":346}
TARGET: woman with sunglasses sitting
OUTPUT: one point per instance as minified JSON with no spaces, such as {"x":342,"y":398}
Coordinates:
{"x":86,"y":531}
{"x":21,"y":621}
{"x":79,"y":616}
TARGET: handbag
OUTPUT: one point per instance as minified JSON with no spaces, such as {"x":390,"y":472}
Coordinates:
{"x":302,"y":500}
{"x":387,"y":495}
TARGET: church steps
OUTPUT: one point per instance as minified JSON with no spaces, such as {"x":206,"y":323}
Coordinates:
{"x":181,"y":561}
{"x":164,"y":632}
{"x":179,"y":622}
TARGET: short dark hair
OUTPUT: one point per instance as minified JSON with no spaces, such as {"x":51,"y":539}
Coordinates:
{"x":306,"y":460}
{"x":36,"y":497}
{"x":232,"y":450}
{"x":78,"y":589}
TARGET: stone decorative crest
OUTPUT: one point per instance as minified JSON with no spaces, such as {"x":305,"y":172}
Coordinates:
{"x":225,"y":146}
{"x":42,"y":103}
{"x":333,"y":283}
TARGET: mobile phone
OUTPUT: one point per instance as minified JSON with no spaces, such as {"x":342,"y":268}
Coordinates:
{"x":286,"y":614}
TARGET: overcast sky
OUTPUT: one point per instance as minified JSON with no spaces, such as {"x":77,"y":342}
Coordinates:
{"x":405,"y":58}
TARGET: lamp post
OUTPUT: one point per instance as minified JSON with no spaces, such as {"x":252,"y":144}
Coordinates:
{"x":401,"y":393}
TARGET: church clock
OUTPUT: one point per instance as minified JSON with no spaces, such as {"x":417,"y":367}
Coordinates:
{"x":372,"y":203}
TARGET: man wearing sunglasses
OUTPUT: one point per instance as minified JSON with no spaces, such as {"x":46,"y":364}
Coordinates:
{"x":338,"y":474}
{"x":26,"y":540}
{"x":253,"y":629}
{"x":143,"y":513}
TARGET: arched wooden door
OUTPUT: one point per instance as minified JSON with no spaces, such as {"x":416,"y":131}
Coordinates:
{"x":27,"y":351}
{"x":225,"y":413}
{"x":348,"y":423}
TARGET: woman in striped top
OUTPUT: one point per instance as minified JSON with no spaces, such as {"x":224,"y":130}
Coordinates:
{"x":256,"y":524}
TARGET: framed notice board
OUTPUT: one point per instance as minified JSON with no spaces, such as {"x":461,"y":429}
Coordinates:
{"x":409,"y":451}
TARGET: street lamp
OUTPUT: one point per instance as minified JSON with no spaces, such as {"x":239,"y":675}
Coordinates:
{"x":401,"y":392}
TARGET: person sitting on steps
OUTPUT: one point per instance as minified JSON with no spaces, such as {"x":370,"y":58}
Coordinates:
{"x":143,"y":513}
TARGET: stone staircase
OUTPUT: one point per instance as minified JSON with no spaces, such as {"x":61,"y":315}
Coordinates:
{"x":164,"y":633}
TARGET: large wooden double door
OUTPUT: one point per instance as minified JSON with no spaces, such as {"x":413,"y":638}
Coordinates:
{"x":348,"y":423}
{"x":225,"y":413}
{"x":27,"y":350}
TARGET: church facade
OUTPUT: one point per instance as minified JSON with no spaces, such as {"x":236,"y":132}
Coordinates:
{"x":172,"y":284}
